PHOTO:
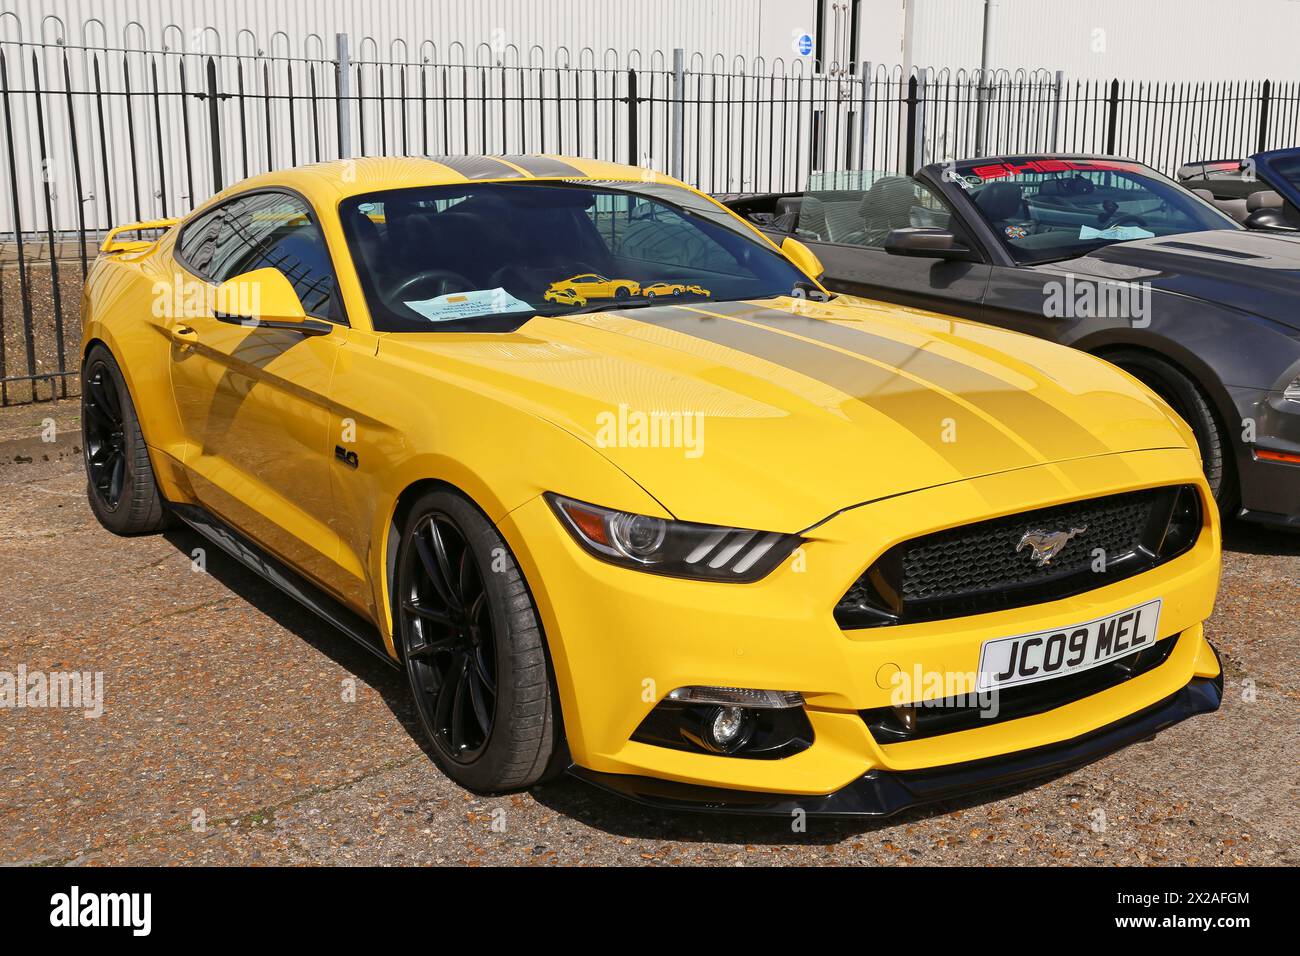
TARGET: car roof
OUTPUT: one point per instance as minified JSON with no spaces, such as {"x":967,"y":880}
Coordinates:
{"x":327,"y":183}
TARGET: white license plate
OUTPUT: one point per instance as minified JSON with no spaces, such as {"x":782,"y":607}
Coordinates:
{"x":1028,"y":658}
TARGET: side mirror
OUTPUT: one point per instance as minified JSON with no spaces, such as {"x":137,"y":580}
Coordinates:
{"x":925,"y":242}
{"x":264,"y":298}
{"x":1268,"y":219}
{"x":803,"y":257}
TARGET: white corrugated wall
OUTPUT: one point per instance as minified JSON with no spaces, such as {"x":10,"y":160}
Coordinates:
{"x":1154,"y":40}
{"x":398,"y":28}
{"x":1129,"y":39}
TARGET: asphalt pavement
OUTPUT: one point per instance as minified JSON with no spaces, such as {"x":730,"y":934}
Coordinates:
{"x":236,"y":728}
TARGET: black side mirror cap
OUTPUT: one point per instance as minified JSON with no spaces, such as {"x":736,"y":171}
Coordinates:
{"x":1269,"y":219}
{"x":925,"y":242}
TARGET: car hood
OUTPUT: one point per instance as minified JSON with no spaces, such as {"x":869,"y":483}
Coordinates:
{"x":1251,"y":271}
{"x":776,"y":414}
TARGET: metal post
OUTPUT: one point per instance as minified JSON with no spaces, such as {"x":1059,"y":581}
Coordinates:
{"x":1057,"y":91}
{"x":918,"y":154}
{"x":986,"y":65}
{"x":1112,"y":121}
{"x":864,"y":119}
{"x":909,"y":160}
{"x":1265,"y":98}
{"x":214,"y":129}
{"x":633,"y":157}
{"x":678,"y":152}
{"x":909,"y":32}
{"x":343,"y":89}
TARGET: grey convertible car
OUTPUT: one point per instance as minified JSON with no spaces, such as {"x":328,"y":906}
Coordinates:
{"x":1099,"y":253}
{"x":1260,"y":192}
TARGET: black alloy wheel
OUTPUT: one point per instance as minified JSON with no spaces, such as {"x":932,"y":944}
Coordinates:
{"x":105,"y":435}
{"x":120,"y":483}
{"x":473,"y":647}
{"x":450,"y":643}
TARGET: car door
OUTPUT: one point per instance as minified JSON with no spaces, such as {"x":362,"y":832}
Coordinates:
{"x":847,"y":231}
{"x":253,"y":401}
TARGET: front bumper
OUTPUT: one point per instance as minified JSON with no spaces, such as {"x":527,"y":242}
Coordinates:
{"x":879,"y":793}
{"x":1270,"y":490}
{"x":621,"y":640}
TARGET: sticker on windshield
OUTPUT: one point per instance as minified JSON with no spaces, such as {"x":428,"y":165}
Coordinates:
{"x":468,"y":305}
{"x":1118,"y":233}
{"x":1016,"y":232}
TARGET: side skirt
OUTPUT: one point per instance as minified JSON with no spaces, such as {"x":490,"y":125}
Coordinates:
{"x":284,"y":579}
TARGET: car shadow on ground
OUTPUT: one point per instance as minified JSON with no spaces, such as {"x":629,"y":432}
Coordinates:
{"x":1244,"y":537}
{"x":567,"y":795}
{"x":387,"y":680}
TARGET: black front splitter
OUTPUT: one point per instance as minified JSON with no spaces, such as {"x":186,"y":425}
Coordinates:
{"x":881,"y":793}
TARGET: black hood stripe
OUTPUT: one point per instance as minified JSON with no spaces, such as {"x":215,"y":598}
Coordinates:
{"x":479,"y":167}
{"x":545,"y":166}
{"x":885,"y":391}
{"x":999,"y":398}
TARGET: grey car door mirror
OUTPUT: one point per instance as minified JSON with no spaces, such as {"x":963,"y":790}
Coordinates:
{"x":925,"y":242}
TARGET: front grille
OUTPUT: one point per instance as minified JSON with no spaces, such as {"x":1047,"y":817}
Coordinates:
{"x":890,"y":725}
{"x":988,"y":566}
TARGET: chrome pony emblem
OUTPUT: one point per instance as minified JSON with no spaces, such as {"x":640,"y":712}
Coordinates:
{"x":1047,"y":544}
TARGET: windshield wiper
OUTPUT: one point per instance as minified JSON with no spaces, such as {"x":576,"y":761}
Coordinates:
{"x":631,"y":302}
{"x":810,"y":290}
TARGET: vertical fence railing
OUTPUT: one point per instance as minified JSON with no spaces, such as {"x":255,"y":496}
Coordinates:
{"x":95,"y":136}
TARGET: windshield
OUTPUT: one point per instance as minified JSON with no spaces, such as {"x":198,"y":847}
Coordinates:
{"x":487,"y":256}
{"x":1287,"y":168}
{"x":1049,"y":209}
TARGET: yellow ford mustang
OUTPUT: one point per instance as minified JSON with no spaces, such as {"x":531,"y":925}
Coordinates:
{"x":771,"y":551}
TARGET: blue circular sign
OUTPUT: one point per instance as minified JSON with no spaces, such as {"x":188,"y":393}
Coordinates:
{"x":804,"y":44}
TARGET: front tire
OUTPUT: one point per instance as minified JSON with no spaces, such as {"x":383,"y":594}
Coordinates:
{"x":120,"y":482}
{"x":473,"y":647}
{"x":1186,"y":398}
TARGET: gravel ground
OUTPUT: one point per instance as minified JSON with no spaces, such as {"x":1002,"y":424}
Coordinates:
{"x":239,"y":729}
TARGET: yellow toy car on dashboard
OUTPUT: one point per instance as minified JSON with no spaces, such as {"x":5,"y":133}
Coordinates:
{"x":778,"y":550}
{"x":563,"y":297}
{"x":590,"y":285}
{"x":662,"y":288}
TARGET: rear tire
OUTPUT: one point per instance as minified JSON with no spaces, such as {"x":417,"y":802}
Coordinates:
{"x":473,"y":647}
{"x":1187,"y":399}
{"x":120,"y":482}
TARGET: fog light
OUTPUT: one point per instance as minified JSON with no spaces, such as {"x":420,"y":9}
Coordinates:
{"x":726,"y":728}
{"x":729,"y":722}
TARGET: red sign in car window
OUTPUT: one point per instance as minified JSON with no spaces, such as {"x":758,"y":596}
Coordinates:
{"x":1006,"y":167}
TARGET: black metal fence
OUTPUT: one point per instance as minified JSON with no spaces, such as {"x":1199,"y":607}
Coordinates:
{"x":98,"y":136}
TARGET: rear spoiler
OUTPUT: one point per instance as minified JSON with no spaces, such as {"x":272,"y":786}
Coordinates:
{"x":112,"y":244}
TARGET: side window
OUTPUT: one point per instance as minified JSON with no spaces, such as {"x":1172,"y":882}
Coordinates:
{"x":275,"y":230}
{"x":198,"y":239}
{"x":866,"y":218}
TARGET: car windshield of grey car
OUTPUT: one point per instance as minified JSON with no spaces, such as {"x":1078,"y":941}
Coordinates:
{"x":1043,"y":210}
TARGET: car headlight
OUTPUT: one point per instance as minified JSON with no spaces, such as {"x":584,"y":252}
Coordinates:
{"x":1292,"y":391}
{"x":677,"y":548}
